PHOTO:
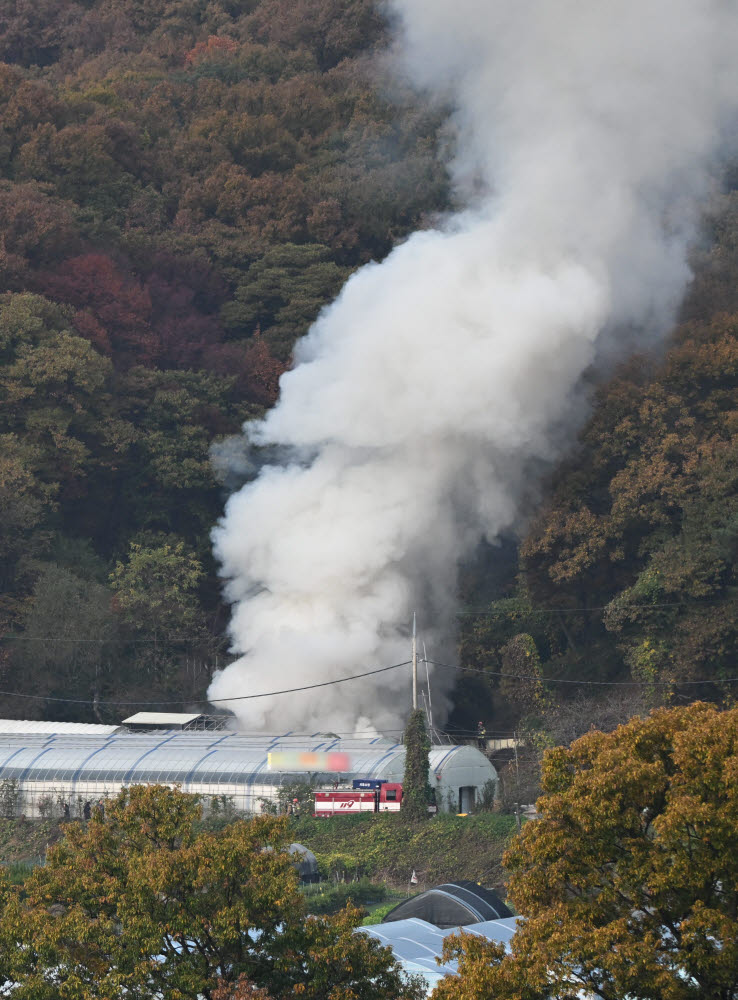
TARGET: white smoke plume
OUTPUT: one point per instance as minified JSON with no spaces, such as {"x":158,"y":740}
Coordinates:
{"x":421,"y":396}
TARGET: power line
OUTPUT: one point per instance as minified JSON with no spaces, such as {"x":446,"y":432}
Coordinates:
{"x":67,"y":638}
{"x":582,"y":683}
{"x":522,"y":612}
{"x":211,"y":701}
{"x":309,"y":687}
{"x":372,"y":673}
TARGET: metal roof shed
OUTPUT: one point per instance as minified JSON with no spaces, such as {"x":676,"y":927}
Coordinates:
{"x":457,"y":775}
{"x":143,"y":722}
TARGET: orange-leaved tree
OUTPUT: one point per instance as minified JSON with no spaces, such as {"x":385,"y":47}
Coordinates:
{"x":142,"y":903}
{"x":628,"y":882}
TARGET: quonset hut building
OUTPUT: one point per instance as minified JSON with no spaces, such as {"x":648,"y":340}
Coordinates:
{"x":45,"y":766}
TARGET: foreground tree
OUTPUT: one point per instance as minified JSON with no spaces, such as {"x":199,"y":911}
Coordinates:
{"x":242,"y":990}
{"x":142,"y":903}
{"x":628,"y":881}
{"x":416,"y":791}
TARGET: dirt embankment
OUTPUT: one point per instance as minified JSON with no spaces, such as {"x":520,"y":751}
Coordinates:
{"x":26,"y":840}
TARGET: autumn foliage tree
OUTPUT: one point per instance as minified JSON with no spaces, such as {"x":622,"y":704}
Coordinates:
{"x":183,"y":187}
{"x":627,"y":883}
{"x":240,"y":990}
{"x":143,"y":902}
{"x":632,"y":554}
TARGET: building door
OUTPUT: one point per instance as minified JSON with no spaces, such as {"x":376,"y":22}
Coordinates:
{"x":466,"y":799}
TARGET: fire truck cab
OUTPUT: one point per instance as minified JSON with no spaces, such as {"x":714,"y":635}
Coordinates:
{"x":367,"y":795}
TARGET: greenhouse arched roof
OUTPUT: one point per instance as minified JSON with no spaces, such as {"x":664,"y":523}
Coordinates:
{"x":183,"y":757}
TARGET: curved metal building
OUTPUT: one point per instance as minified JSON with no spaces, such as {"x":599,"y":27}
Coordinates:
{"x":453,"y":904}
{"x":42,"y":773}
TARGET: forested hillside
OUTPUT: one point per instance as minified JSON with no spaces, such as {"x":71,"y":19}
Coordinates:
{"x":183,"y":185}
{"x":628,"y":570}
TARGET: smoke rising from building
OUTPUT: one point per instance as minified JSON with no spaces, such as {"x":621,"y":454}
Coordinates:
{"x":421,"y":396}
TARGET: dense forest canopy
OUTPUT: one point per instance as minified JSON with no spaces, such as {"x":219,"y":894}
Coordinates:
{"x":183,"y":185}
{"x":627,"y":571}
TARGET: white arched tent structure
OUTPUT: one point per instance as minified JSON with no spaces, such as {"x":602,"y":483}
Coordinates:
{"x":42,"y":772}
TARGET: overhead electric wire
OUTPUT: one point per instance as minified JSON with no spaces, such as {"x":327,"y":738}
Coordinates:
{"x":309,"y":687}
{"x":210,"y":701}
{"x":522,"y":612}
{"x":370,"y":673}
{"x":157,"y":640}
{"x":581,"y":683}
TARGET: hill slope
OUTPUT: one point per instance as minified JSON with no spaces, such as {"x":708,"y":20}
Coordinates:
{"x":628,"y":569}
{"x":183,"y":185}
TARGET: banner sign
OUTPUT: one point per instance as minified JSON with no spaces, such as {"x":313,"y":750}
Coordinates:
{"x":294,"y":760}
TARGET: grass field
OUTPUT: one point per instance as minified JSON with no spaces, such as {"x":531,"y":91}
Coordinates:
{"x":386,"y":849}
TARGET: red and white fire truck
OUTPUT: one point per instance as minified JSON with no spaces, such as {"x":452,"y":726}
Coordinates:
{"x":372,"y":795}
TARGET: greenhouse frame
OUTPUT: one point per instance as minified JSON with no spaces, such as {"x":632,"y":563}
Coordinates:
{"x":418,"y":945}
{"x":47,"y":773}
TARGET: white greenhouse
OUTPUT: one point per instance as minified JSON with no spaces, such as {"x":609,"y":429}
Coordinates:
{"x":47,"y":771}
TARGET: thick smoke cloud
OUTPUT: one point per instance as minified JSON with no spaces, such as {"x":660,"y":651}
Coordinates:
{"x":586,"y":132}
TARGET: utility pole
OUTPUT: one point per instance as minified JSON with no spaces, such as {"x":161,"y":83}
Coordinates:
{"x":430,"y":701}
{"x":415,"y":666}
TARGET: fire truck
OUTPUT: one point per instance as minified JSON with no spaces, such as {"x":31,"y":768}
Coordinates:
{"x":372,"y":795}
